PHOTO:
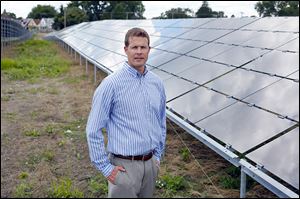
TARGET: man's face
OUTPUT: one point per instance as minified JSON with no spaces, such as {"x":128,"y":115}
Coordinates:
{"x":137,"y":52}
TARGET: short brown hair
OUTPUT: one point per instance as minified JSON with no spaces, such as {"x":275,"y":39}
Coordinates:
{"x":136,"y":32}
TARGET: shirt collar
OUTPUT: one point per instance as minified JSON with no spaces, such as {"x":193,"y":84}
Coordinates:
{"x":133,"y":71}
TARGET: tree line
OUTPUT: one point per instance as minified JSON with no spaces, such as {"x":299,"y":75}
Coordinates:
{"x":84,"y":11}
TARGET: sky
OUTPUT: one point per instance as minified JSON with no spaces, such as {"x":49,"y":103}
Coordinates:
{"x":152,"y":8}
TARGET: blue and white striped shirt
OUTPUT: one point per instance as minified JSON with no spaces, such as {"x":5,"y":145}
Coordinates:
{"x":132,"y":108}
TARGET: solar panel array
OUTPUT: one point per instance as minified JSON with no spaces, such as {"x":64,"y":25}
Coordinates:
{"x":236,"y":79}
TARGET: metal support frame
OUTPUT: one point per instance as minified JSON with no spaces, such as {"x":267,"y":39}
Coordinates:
{"x":265,"y":180}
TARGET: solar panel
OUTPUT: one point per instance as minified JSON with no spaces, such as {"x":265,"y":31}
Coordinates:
{"x":176,"y":86}
{"x":281,"y":158}
{"x":179,"y":64}
{"x":281,"y":97}
{"x":205,"y":35}
{"x":199,"y":104}
{"x":292,"y":45}
{"x":237,"y":56}
{"x":180,"y":46}
{"x":170,"y":32}
{"x":210,"y":50}
{"x":241,"y":83}
{"x":204,"y":72}
{"x":162,"y":58}
{"x":237,"y":37}
{"x":235,"y":78}
{"x":229,"y":23}
{"x":243,"y":127}
{"x":269,"y":23}
{"x":270,"y":39}
{"x":276,"y":62}
{"x":163,"y":75}
{"x":188,"y":23}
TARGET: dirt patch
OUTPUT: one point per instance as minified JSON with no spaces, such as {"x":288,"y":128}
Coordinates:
{"x":43,"y":135}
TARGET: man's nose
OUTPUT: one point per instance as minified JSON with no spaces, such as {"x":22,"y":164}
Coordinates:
{"x":139,"y":50}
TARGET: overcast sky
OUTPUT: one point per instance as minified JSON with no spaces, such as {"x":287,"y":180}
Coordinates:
{"x":152,"y":8}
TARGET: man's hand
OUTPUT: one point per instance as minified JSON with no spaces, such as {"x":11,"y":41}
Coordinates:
{"x":157,"y":163}
{"x":112,"y":176}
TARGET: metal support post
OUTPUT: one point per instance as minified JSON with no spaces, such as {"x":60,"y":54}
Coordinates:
{"x":243,"y":184}
{"x":86,"y":66}
{"x":95,"y":71}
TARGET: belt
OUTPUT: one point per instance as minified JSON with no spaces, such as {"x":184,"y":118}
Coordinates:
{"x":137,"y":157}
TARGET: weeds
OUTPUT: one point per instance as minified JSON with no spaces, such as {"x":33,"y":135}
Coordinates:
{"x":35,"y":58}
{"x":50,"y":129}
{"x":185,"y":154}
{"x":23,"y":175}
{"x":64,"y":189}
{"x":171,"y":184}
{"x":98,"y":186}
{"x":32,"y":133}
{"x":48,"y":155}
{"x":23,"y":190}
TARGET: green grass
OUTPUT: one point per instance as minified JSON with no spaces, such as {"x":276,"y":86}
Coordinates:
{"x":98,"y":186}
{"x":23,"y":175}
{"x":231,"y":179}
{"x":64,"y":189}
{"x":34,"y":59}
{"x":48,"y":155}
{"x":185,"y":154}
{"x":32,"y":133}
{"x":171,"y":185}
{"x":23,"y":190}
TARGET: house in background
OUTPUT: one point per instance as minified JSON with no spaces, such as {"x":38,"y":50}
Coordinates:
{"x":38,"y":25}
{"x":25,"y":22}
{"x":45,"y":24}
{"x":33,"y":25}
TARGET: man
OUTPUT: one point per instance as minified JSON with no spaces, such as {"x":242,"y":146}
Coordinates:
{"x":130,"y":104}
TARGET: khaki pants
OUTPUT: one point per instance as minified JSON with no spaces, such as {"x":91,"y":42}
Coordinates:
{"x":137,"y":182}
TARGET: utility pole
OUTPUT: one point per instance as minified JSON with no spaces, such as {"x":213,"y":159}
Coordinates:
{"x":65,"y":17}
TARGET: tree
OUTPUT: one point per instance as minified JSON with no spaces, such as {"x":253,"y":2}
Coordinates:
{"x":93,"y":9}
{"x":277,"y":8}
{"x":126,"y":9}
{"x":59,"y":19}
{"x":99,"y":10}
{"x":219,"y":14}
{"x":8,"y":14}
{"x":204,"y":11}
{"x":40,"y":12}
{"x":74,"y":15}
{"x":175,"y":13}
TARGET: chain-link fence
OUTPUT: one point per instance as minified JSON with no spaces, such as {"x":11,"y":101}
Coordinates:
{"x":11,"y":32}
